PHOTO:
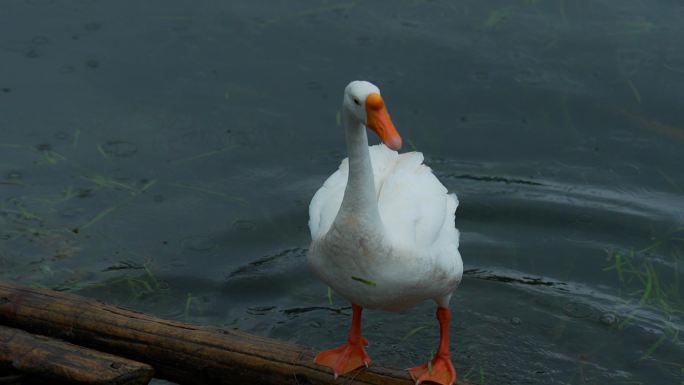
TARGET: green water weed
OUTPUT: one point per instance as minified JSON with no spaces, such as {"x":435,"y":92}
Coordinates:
{"x":412,"y":332}
{"x":497,"y":18}
{"x":102,"y":152}
{"x":76,"y":137}
{"x":643,"y":285}
{"x":364,"y":281}
{"x":634,"y":90}
{"x":188,"y":303}
{"x":103,"y":182}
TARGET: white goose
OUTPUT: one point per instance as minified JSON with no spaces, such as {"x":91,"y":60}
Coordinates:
{"x":383,"y":234}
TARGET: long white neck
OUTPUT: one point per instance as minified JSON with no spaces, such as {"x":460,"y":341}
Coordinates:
{"x":360,"y":202}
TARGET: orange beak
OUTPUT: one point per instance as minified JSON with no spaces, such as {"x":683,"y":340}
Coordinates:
{"x":378,"y":120}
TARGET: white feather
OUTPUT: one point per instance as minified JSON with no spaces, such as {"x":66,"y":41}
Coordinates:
{"x":419,"y":230}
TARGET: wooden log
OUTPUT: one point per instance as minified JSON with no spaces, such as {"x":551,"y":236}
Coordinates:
{"x":11,"y":377}
{"x":61,"y":361}
{"x":179,"y":352}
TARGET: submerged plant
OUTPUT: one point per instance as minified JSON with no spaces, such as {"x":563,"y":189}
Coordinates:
{"x":644,"y":285}
{"x":139,"y":285}
{"x":188,"y":303}
{"x":480,"y":373}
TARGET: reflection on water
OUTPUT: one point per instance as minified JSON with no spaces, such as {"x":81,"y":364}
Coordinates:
{"x":163,"y":158}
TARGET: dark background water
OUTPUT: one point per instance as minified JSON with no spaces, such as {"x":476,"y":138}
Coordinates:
{"x":162,"y":154}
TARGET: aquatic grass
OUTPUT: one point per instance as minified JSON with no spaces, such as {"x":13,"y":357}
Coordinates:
{"x":147,"y":186}
{"x":110,"y":183}
{"x":188,"y":303}
{"x":330,"y":301}
{"x":102,"y":152}
{"x":618,"y":266}
{"x":648,"y":284}
{"x":66,"y":195}
{"x":466,"y":376}
{"x":643,"y":286}
{"x":410,"y":143}
{"x":412,"y":332}
{"x":429,"y":361}
{"x":46,"y":204}
{"x":52,"y":157}
{"x":634,"y":90}
{"x":497,"y":18}
{"x":480,"y":372}
{"x":638,"y":27}
{"x":23,"y":207}
{"x":76,"y":137}
{"x":21,"y":212}
{"x":47,"y":154}
{"x":98,"y":217}
{"x":102,"y":181}
{"x":364,"y":281}
{"x":670,"y":181}
{"x":649,"y":288}
{"x":140,"y":285}
{"x":644,"y":122}
{"x":669,"y":333}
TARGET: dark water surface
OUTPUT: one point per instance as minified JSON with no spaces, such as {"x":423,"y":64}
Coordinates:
{"x":162,"y":154}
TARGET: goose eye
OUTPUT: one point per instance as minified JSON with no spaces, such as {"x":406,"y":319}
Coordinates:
{"x":356,"y":101}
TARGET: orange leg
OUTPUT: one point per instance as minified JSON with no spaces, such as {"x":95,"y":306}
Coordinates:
{"x":351,"y":355}
{"x":440,"y":370}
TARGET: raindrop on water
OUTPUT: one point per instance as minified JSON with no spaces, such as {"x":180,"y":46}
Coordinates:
{"x":13,"y":175}
{"x":244,"y":225}
{"x":577,"y":310}
{"x":608,"y":319}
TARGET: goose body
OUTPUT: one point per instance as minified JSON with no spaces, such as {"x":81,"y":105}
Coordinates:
{"x":412,"y":257}
{"x":383,"y":234}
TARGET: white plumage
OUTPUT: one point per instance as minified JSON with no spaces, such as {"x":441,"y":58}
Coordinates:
{"x":418,"y":218}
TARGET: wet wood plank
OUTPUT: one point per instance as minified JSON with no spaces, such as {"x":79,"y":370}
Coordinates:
{"x":57,"y":360}
{"x":179,"y":352}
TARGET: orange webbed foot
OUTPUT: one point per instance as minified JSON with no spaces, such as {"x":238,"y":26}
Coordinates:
{"x":440,"y":370}
{"x":345,"y":358}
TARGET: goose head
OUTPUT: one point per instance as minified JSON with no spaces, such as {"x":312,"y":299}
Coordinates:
{"x":364,"y":105}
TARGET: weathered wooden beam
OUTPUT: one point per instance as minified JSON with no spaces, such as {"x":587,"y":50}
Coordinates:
{"x":61,"y":361}
{"x":9,"y":376}
{"x":179,"y":352}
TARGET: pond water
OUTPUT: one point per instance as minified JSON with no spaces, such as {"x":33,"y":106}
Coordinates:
{"x":161,"y":155}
